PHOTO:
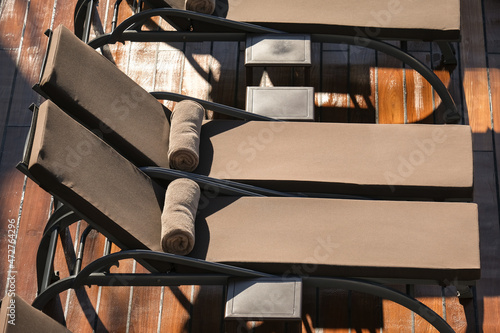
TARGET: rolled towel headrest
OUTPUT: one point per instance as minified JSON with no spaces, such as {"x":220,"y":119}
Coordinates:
{"x":201,"y":6}
{"x":185,"y":128}
{"x":178,"y":216}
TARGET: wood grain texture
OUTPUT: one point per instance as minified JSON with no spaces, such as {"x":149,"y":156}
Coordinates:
{"x":419,"y":94}
{"x":390,"y":93}
{"x":30,"y":61}
{"x":333,"y":98}
{"x":12,"y":18}
{"x":216,"y":71}
{"x":492,"y":25}
{"x":362,"y":89}
{"x":11,"y":192}
{"x":223,"y":74}
{"x":195,"y":78}
{"x":34,"y":216}
{"x":432,"y":297}
{"x":488,"y":287}
{"x":459,"y":314}
{"x":8,"y":70}
{"x":176,"y":315}
{"x":395,"y":317}
{"x":334,"y":312}
{"x":475,"y":75}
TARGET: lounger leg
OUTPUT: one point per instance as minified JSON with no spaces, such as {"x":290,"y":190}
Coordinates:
{"x":448,"y":52}
{"x":47,"y":248}
{"x":464,"y":292}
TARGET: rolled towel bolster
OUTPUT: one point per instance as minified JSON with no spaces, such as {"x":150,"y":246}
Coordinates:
{"x":183,"y":152}
{"x":201,"y":6}
{"x":178,"y":216}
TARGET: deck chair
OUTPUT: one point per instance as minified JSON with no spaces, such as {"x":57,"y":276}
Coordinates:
{"x":403,"y":161}
{"x":17,"y":316}
{"x":320,"y":241}
{"x":358,"y":23}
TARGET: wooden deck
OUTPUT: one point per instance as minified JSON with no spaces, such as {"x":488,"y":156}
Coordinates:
{"x":352,"y":85}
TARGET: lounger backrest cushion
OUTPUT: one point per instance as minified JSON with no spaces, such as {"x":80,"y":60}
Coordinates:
{"x":93,"y":90}
{"x":422,"y":19}
{"x":17,"y":316}
{"x":86,"y":173}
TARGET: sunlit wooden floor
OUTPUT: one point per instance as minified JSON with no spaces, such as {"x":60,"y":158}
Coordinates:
{"x":351,"y":84}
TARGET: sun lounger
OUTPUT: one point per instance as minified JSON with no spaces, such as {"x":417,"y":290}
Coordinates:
{"x":322,"y":242}
{"x":17,"y":316}
{"x":359,"y":23}
{"x":398,"y":161}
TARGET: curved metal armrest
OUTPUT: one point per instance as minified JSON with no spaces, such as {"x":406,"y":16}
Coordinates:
{"x":219,"y":186}
{"x":218,"y":24}
{"x":102,"y":263}
{"x":216,"y":107}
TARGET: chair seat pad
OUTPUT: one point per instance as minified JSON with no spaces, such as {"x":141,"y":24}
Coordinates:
{"x":359,"y":159}
{"x":338,"y":237}
{"x":405,"y":19}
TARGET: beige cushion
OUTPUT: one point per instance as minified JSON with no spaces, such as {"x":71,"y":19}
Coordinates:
{"x":26,"y":318}
{"x":330,"y":237}
{"x":382,"y":19}
{"x":95,"y":91}
{"x":361,"y":159}
{"x":333,"y":237}
{"x":72,"y":163}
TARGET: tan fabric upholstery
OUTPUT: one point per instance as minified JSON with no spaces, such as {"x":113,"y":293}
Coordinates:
{"x":26,"y":318}
{"x":71,"y":162}
{"x":108,"y":102}
{"x":330,"y":237}
{"x":360,"y":159}
{"x":333,"y":237}
{"x":399,"y":19}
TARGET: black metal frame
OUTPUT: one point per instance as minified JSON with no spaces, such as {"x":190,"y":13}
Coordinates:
{"x":194,"y":27}
{"x":216,"y":274}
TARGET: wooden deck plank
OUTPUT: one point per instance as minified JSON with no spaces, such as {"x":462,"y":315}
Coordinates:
{"x":114,"y":302}
{"x":395,"y":317}
{"x":195,"y":79}
{"x":179,"y":319}
{"x":492,"y":25}
{"x":362,"y":90}
{"x":224,"y":74}
{"x":390,"y":93}
{"x":8,"y":70}
{"x":459,"y":314}
{"x":333,"y":100}
{"x":488,"y":287}
{"x":334,"y":311}
{"x":34,"y":215}
{"x":30,"y":61}
{"x":11,"y":192}
{"x":208,"y":309}
{"x":475,"y":75}
{"x":419,"y":93}
{"x":309,"y":312}
{"x":12,"y":18}
{"x":82,"y":309}
{"x":177,"y":309}
{"x":432,"y":297}
{"x":366,"y":313}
